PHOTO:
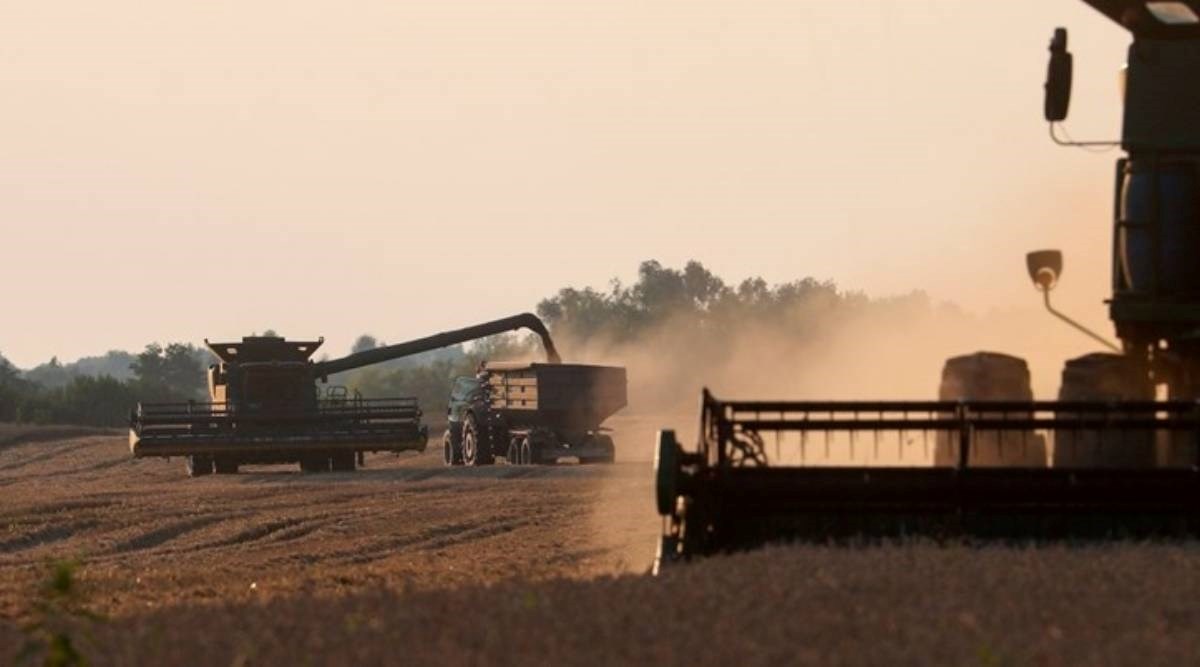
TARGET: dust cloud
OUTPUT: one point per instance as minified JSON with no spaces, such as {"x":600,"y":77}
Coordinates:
{"x":890,"y":352}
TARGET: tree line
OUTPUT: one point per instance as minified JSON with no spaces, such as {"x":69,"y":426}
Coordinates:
{"x":173,"y":372}
{"x":702,"y":307}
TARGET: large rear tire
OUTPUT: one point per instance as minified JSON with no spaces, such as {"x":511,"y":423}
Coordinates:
{"x":475,"y":451}
{"x":989,"y":376}
{"x":1103,"y":376}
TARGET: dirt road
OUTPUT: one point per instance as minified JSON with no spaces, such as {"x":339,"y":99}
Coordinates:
{"x":147,"y":536}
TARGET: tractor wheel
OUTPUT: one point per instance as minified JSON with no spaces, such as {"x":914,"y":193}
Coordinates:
{"x":342,"y":462}
{"x":199,"y":465}
{"x":525,"y":456}
{"x":225,"y":466}
{"x":314,"y":464}
{"x":1103,"y":376}
{"x":451,"y":455}
{"x":475,"y":451}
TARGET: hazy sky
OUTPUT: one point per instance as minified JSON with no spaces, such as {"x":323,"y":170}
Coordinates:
{"x":179,"y":170}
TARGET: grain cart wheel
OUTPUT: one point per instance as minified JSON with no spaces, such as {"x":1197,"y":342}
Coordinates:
{"x":342,"y":462}
{"x":1103,"y":376}
{"x":474,"y":451}
{"x":608,"y":451}
{"x":199,"y":465}
{"x":223,"y":465}
{"x":989,"y":376}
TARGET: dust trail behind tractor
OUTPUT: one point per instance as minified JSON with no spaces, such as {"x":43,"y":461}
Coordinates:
{"x":821,"y":471}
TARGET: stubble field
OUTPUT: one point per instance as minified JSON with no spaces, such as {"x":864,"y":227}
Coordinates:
{"x":407,"y":562}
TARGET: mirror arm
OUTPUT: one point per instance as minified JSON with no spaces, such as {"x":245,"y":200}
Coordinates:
{"x":1079,"y":327}
{"x":1071,"y":142}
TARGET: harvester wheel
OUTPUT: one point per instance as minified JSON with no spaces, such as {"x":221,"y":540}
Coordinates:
{"x":342,"y":462}
{"x":666,"y":472}
{"x":473,"y":449}
{"x":225,"y":466}
{"x":314,"y":464}
{"x":989,"y":376}
{"x":199,"y":465}
{"x":1102,"y":376}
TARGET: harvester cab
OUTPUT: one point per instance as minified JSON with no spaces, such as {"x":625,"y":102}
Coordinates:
{"x":986,"y":461}
{"x":266,"y":406}
{"x":263,"y":372}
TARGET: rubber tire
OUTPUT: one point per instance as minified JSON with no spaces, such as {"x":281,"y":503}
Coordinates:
{"x":1104,"y":376}
{"x":525,"y":457}
{"x":225,"y":466}
{"x":451,"y":455}
{"x":472,"y":449}
{"x":342,"y":462}
{"x":989,"y":376}
{"x":314,"y":464}
{"x":666,"y":472}
{"x":610,"y":455}
{"x":199,"y":465}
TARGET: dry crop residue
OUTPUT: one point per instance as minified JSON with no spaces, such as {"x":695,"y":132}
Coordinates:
{"x":147,"y":536}
{"x":408,"y":561}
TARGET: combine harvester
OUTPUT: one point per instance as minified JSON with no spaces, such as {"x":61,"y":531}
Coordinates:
{"x":266,"y":406}
{"x":1104,"y":461}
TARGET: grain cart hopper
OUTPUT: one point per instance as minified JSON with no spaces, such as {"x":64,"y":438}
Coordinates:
{"x":533,"y":413}
{"x":1105,"y":460}
{"x":266,"y":405}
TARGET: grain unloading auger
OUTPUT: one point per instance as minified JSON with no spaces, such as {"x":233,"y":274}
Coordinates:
{"x":1106,"y":460}
{"x":266,"y":406}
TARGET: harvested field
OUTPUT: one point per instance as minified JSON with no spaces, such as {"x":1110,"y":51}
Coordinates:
{"x":408,"y":561}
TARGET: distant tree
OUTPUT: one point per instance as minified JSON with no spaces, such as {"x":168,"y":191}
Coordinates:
{"x":170,"y":373}
{"x":99,"y":401}
{"x":365,"y":342}
{"x":51,"y":374}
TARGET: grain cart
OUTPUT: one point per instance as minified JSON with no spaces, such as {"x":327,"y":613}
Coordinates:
{"x":266,"y":406}
{"x":533,"y":414}
{"x":1106,"y":460}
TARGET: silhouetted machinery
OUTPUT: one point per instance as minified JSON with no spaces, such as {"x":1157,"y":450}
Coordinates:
{"x":1105,"y":460}
{"x":266,"y":406}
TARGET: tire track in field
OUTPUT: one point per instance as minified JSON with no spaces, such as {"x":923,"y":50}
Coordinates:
{"x":165,"y":534}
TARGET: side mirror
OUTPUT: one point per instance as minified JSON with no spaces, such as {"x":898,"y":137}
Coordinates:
{"x":1045,"y":266}
{"x":1058,"y":78}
